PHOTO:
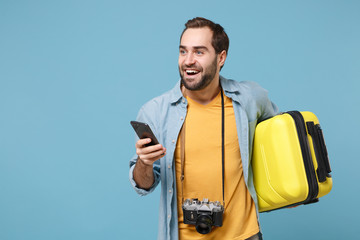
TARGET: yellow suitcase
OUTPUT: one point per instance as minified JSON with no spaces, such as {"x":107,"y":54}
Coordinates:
{"x":290,"y":161}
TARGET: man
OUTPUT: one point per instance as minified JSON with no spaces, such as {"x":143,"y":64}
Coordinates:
{"x":220,"y":116}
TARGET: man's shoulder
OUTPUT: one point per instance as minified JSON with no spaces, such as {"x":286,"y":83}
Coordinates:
{"x":163,"y":100}
{"x":156,"y":110}
{"x":241,"y":87}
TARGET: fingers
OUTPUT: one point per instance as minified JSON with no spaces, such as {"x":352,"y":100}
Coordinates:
{"x":142,"y":142}
{"x":149,"y":154}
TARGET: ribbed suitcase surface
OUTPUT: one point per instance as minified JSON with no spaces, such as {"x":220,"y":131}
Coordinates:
{"x":290,"y":161}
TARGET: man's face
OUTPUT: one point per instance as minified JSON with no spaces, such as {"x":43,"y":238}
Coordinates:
{"x":198,"y":62}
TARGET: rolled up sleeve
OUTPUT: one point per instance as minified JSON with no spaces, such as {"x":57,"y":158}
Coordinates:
{"x":142,"y":191}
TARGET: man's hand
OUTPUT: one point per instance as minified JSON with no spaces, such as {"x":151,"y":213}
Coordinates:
{"x":147,"y":155}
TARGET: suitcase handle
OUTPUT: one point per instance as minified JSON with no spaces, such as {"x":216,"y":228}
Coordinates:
{"x":321,"y":154}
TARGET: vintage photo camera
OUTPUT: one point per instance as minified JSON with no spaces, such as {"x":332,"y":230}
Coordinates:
{"x":203,"y":214}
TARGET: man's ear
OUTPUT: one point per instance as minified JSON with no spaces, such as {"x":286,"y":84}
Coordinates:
{"x":222,"y":58}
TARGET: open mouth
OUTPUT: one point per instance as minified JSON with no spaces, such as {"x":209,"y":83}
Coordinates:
{"x":191,"y":72}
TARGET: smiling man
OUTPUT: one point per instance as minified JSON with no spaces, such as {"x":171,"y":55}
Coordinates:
{"x":205,"y":126}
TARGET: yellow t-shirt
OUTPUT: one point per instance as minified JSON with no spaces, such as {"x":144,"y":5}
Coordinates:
{"x":203,"y":172}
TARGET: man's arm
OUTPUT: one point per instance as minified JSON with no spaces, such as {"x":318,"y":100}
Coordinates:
{"x":268,"y":108}
{"x":143,"y":171}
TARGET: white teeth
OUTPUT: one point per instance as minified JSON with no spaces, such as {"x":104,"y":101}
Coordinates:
{"x":191,"y":71}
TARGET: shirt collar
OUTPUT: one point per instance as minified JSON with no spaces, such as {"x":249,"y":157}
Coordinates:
{"x":176,"y":94}
{"x":227,"y":86}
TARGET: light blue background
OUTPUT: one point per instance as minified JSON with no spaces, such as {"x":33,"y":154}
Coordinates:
{"x":74,"y":73}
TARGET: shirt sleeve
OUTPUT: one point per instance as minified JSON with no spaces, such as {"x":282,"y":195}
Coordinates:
{"x":144,"y":115}
{"x":268,"y":108}
{"x":141,"y":191}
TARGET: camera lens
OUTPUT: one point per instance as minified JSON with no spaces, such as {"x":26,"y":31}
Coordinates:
{"x":203,"y":224}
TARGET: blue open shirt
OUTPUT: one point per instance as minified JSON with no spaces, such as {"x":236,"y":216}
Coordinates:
{"x":166,"y":114}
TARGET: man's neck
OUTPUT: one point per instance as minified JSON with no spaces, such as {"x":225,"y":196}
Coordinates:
{"x":205,"y":95}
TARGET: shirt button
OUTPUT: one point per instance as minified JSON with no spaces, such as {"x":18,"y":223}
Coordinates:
{"x":183,"y":100}
{"x":182,"y":118}
{"x":170,"y":191}
{"x":169,"y":216}
{"x":173,"y":141}
{"x":169,"y":166}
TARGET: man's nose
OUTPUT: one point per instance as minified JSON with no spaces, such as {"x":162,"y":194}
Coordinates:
{"x":189,"y":59}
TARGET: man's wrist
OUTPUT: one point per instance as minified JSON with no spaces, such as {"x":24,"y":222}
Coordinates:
{"x":142,"y":162}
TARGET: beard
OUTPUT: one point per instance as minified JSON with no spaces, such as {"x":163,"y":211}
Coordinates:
{"x":205,"y":80}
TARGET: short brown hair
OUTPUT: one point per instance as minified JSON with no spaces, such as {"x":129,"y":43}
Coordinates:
{"x":220,"y":40}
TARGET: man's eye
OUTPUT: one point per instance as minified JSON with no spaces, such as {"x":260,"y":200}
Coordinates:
{"x":199,"y":53}
{"x":182,"y":52}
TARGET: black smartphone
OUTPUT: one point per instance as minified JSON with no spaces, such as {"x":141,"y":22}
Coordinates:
{"x":143,"y":130}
